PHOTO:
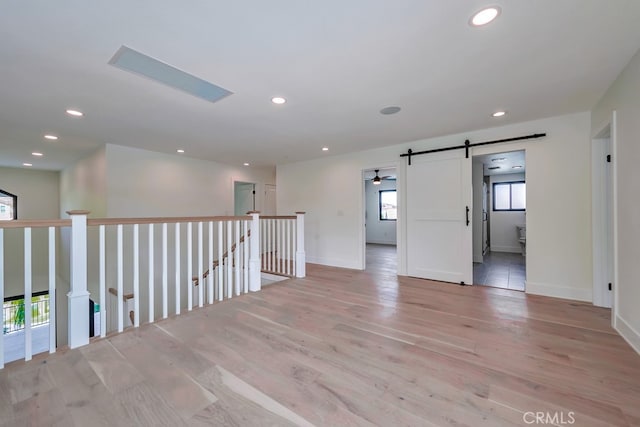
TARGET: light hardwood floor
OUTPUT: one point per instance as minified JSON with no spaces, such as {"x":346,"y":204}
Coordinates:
{"x":341,"y":348}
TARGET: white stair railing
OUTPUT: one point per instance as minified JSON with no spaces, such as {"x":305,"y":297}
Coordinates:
{"x":130,"y":266}
{"x":22,"y":234}
{"x":282,"y":250}
{"x":197,"y":280}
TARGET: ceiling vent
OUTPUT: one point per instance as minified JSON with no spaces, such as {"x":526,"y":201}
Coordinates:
{"x":135,"y":62}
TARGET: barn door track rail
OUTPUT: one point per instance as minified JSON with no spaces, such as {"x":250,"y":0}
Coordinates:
{"x":468,"y":144}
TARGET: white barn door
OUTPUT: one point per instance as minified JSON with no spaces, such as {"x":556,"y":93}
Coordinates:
{"x":439,"y":232}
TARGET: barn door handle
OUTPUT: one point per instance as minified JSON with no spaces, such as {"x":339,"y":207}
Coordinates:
{"x":467,"y":216}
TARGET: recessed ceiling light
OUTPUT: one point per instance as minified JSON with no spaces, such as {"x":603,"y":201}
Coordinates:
{"x":75,"y":113}
{"x":485,"y":16}
{"x":179,"y":150}
{"x":35,"y":153}
{"x":246,"y":164}
{"x":27,"y":164}
{"x":499,"y":159}
{"x":516,"y":167}
{"x":499,"y":113}
{"x":390,"y":110}
{"x":51,"y":137}
{"x":278,"y":100}
{"x":325,"y":148}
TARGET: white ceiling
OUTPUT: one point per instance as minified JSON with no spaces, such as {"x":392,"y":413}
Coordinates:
{"x":504,"y":162}
{"x":337,"y":63}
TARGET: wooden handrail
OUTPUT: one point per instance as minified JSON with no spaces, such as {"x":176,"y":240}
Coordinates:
{"x":125,"y":297}
{"x":36,"y":223}
{"x":161,"y":220}
{"x":216,"y":262}
{"x":278,"y":217}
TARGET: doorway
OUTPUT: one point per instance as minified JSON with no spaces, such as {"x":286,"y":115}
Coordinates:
{"x":499,"y":220}
{"x":603,"y":216}
{"x":244,"y":197}
{"x":380,"y":220}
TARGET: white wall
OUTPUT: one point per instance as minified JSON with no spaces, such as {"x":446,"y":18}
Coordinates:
{"x":83,"y":186}
{"x":143,"y":183}
{"x":37,"y":193}
{"x":624,"y":97}
{"x":504,"y":234}
{"x":559,"y":241}
{"x":381,"y":232}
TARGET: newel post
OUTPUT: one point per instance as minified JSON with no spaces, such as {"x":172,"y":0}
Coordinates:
{"x":255,"y":279}
{"x":78,"y":296}
{"x":301,"y":258}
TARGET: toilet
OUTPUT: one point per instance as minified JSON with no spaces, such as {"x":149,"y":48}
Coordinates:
{"x":522,"y":238}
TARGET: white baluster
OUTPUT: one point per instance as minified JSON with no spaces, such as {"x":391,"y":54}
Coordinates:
{"x":189,"y":266}
{"x":210,"y":265}
{"x":120,"y":281}
{"x":165,"y":274}
{"x":229,"y":271}
{"x":300,"y":253}
{"x":177,"y":258}
{"x":220,"y":264}
{"x":52,"y":290}
{"x":236,"y":257}
{"x":151,"y":284}
{"x":294,"y":246}
{"x":245,"y":257}
{"x":287,"y":243}
{"x":27,"y":294}
{"x":2,"y":295}
{"x":103,"y":281}
{"x":200,"y":271}
{"x":136,"y":275}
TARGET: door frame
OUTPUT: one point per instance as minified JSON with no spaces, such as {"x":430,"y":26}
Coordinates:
{"x":400,"y":167}
{"x":494,"y":150}
{"x":599,"y":215}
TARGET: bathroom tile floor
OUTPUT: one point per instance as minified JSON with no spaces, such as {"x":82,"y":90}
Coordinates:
{"x":501,"y":270}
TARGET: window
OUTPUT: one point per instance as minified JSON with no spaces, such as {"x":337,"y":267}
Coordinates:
{"x":13,"y":309}
{"x":509,"y":196}
{"x":8,"y":206}
{"x":388,"y":205}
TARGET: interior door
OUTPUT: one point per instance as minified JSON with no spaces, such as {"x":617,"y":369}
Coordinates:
{"x":439,"y":232}
{"x":269,"y":199}
{"x":244,"y":198}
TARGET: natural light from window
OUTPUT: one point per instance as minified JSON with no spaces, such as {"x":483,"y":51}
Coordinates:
{"x":388,"y":205}
{"x":509,"y":196}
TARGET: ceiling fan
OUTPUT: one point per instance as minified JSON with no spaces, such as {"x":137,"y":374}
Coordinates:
{"x":378,"y":179}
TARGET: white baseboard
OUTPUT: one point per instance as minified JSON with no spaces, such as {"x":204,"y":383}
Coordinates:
{"x":629,"y":334}
{"x":511,"y":249}
{"x":559,"y":292}
{"x":335,"y":262}
{"x":382,"y":242}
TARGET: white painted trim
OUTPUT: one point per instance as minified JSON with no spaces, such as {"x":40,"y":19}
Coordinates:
{"x":381,"y":242}
{"x":559,"y":291}
{"x":614,"y":173}
{"x":629,"y":334}
{"x":598,"y":219}
{"x":361,"y":264}
{"x":335,"y":262}
{"x":510,"y":249}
